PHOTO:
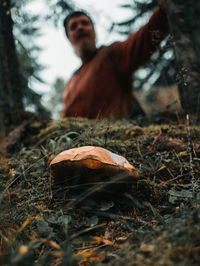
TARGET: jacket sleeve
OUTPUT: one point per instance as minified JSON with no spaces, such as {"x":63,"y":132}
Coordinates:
{"x":138,"y":48}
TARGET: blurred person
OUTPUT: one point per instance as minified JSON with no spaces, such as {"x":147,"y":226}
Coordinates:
{"x":102,"y":86}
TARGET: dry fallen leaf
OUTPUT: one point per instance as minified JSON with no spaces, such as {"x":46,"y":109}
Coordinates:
{"x":25,"y":223}
{"x":23,"y":249}
{"x":99,"y":240}
{"x":148,"y":248}
{"x":92,"y":163}
{"x":90,"y":256}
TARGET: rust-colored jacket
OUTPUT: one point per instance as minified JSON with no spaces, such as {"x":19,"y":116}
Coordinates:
{"x":103,"y":86}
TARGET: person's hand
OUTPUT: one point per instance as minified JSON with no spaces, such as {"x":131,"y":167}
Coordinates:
{"x":162,"y":4}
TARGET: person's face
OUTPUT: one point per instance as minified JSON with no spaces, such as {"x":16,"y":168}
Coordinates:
{"x":81,"y":33}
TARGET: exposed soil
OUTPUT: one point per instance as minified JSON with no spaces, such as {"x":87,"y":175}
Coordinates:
{"x":152,"y":221}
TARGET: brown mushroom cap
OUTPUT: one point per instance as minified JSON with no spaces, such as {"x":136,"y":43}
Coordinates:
{"x":90,"y":160}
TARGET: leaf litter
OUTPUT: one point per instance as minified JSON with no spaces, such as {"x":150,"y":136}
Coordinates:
{"x":152,"y":221}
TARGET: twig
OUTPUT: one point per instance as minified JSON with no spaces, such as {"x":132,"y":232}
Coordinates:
{"x":173,"y":179}
{"x":24,"y":175}
{"x":190,"y":149}
{"x":181,"y":166}
{"x":156,"y":137}
{"x":170,"y":173}
{"x":50,"y":187}
{"x":139,"y":151}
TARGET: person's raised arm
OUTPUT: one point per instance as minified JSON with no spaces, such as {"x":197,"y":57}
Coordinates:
{"x":138,"y":48}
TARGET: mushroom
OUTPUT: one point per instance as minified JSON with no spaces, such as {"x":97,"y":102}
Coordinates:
{"x":90,"y":164}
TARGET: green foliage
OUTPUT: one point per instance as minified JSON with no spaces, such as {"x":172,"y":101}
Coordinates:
{"x":27,"y":28}
{"x":26,"y":31}
{"x":58,"y":9}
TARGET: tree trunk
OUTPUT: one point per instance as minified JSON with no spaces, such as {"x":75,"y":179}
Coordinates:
{"x":184,"y":24}
{"x":10,"y":82}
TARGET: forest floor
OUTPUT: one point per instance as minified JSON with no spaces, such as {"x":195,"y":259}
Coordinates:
{"x":152,"y":221}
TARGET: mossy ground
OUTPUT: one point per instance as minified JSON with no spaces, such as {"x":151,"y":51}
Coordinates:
{"x":154,"y":221}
